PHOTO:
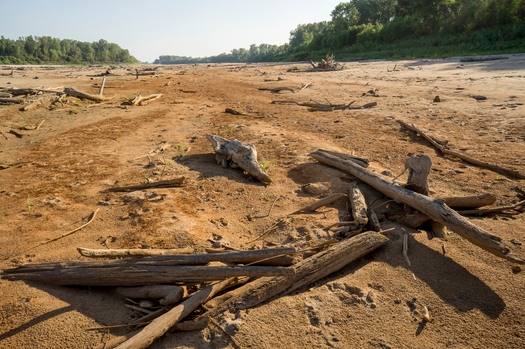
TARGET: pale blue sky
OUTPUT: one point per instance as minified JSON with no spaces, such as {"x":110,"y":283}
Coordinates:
{"x":148,"y":29}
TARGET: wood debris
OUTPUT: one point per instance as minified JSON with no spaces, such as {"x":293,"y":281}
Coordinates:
{"x":326,"y":64}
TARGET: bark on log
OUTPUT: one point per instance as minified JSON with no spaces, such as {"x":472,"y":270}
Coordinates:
{"x":241,"y":154}
{"x":309,"y":270}
{"x":358,"y":204}
{"x":168,"y":294}
{"x":143,"y":275}
{"x":435,"y":209}
{"x":79,"y":94}
{"x":112,"y":253}
{"x":38,"y":102}
{"x":418,"y":170}
{"x":162,"y":324}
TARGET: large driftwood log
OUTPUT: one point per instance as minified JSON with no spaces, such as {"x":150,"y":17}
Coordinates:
{"x":434,"y":208}
{"x":308,"y":271}
{"x":162,"y":324}
{"x":236,"y":153}
{"x":83,"y":95}
{"x":143,"y":275}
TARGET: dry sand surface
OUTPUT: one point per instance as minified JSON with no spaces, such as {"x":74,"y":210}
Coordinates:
{"x":52,"y":180}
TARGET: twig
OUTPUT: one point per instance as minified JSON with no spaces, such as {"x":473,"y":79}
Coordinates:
{"x":306,"y":86}
{"x":68,"y":233}
{"x":405,"y":249}
{"x":271,"y":208}
{"x":168,"y":183}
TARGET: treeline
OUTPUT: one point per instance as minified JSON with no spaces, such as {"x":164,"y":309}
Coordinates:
{"x":395,"y":29}
{"x":48,"y":50}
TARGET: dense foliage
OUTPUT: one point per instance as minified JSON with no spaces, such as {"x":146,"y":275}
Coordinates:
{"x":395,"y":29}
{"x":48,"y":50}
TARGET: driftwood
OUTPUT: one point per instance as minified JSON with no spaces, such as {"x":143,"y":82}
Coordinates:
{"x":418,"y":170}
{"x":83,"y":95}
{"x":11,"y":101}
{"x":328,"y":107}
{"x":145,"y":275}
{"x":473,"y":201}
{"x":16,"y":133}
{"x":139,"y":100}
{"x":305,"y":86}
{"x":481,"y":59}
{"x":510,"y":209}
{"x":238,"y":154}
{"x":195,"y":325}
{"x":162,"y":324}
{"x":308,"y":271}
{"x":435,"y":209}
{"x":326,"y":64}
{"x":320,"y":203}
{"x":374,"y":222}
{"x":111,"y":253}
{"x":168,"y":183}
{"x":240,"y":257}
{"x":33,"y":127}
{"x":167,"y":294}
{"x":155,"y":151}
{"x":508,"y":171}
{"x":276,"y":89}
{"x":358,"y":204}
{"x":405,"y":249}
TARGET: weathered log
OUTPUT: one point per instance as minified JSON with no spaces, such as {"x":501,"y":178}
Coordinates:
{"x":500,"y":169}
{"x":516,"y":208}
{"x":168,"y":183}
{"x":239,"y":154}
{"x":374,"y":222}
{"x":434,"y":208}
{"x":11,"y":101}
{"x":139,"y":100}
{"x":418,"y":166}
{"x":167,"y":294}
{"x":276,"y":89}
{"x":143,"y":275}
{"x":120,"y":253}
{"x":162,"y":324}
{"x":244,"y":257}
{"x":308,"y":271}
{"x":83,"y":95}
{"x":358,"y":204}
{"x":474,"y":201}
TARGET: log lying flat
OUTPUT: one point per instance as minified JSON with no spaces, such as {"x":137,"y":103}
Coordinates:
{"x":143,"y":275}
{"x":308,"y":271}
{"x":434,"y":208}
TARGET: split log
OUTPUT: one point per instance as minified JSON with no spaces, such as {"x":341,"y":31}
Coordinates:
{"x":168,"y":294}
{"x":358,"y":204}
{"x":112,"y":253}
{"x":516,"y":208}
{"x":505,"y":170}
{"x":240,"y":257}
{"x":236,"y":153}
{"x":168,"y":183}
{"x":474,"y":201}
{"x":79,"y":94}
{"x":143,"y":275}
{"x":162,"y":324}
{"x":433,"y":208}
{"x":308,"y":271}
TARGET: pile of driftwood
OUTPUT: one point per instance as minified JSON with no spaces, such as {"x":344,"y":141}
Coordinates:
{"x":326,"y":64}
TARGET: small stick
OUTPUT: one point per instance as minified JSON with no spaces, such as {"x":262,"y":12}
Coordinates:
{"x":40,"y":124}
{"x":102,"y":86}
{"x":168,"y":183}
{"x":306,"y":86}
{"x":3,"y":134}
{"x":18,"y":134}
{"x":139,"y":309}
{"x":68,"y":233}
{"x":271,"y":208}
{"x":426,"y":315}
{"x":405,"y":249}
